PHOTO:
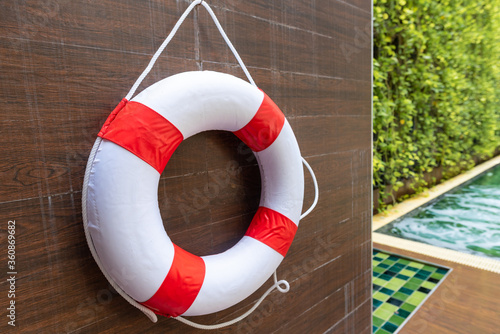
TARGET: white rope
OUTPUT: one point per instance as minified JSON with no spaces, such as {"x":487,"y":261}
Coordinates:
{"x":172,"y":34}
{"x":316,"y":189}
{"x":150,"y":314}
{"x":244,"y":315}
{"x":228,"y":42}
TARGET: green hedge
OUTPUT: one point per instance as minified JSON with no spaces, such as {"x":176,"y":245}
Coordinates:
{"x":436,"y":87}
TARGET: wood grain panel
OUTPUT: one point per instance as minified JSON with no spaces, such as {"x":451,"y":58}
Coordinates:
{"x":316,"y":16}
{"x":342,"y":96}
{"x":364,"y":5}
{"x":263,"y":44}
{"x":131,"y":27}
{"x":355,"y":322}
{"x":343,"y":60}
{"x":336,"y":201}
{"x":334,"y":19}
{"x":251,"y":41}
{"x":307,"y":94}
{"x":329,"y":305}
{"x":55,"y":121}
{"x":331,"y":135}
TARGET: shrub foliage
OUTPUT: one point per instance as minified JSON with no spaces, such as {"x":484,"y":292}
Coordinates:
{"x":436,"y":87}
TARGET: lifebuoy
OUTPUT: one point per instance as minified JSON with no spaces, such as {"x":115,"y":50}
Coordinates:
{"x":122,"y":211}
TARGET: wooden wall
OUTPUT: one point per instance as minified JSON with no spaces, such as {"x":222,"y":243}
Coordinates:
{"x":65,"y":65}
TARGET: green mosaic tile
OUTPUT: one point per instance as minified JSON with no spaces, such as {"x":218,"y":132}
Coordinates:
{"x":387,"y":291}
{"x":381,"y":331}
{"x":442,"y":271}
{"x":400,"y":296}
{"x":408,"y":307}
{"x":383,"y":314}
{"x":408,"y":273}
{"x":411,"y":286}
{"x":429,"y":268}
{"x":396,"y":320}
{"x":399,"y":287}
{"x":385,"y":277}
{"x":403,"y":277}
{"x":376,"y":303}
{"x":416,"y":281}
{"x":377,"y":321}
{"x":423,"y":274}
{"x":380,"y":296}
{"x":437,"y":276}
{"x":416,"y":298}
{"x":396,"y":268}
{"x":388,"y":307}
{"x":403,"y":313}
{"x":391,"y":328}
{"x":393,"y":285}
{"x":428,"y":285}
{"x":399,"y":282}
{"x":416,"y":265}
{"x":406,"y":291}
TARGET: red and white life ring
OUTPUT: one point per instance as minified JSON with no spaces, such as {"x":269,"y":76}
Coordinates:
{"x":122,"y":211}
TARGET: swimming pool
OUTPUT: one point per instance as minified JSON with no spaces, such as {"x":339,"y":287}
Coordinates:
{"x":465,"y":219}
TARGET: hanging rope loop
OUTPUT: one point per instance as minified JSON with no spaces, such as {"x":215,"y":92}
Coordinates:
{"x":281,"y":289}
{"x":172,"y":34}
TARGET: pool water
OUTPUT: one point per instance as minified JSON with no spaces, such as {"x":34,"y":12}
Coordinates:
{"x":465,"y":219}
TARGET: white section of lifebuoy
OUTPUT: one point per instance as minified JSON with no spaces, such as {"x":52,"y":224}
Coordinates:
{"x":208,"y":102}
{"x":122,"y":206}
{"x":125,"y":222}
{"x":246,"y":266}
{"x":279,"y":186}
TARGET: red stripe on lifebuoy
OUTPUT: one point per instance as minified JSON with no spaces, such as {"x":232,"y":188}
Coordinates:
{"x":142,"y":131}
{"x":264,"y":127}
{"x":273,"y":229}
{"x":181,"y":286}
{"x":112,"y":116}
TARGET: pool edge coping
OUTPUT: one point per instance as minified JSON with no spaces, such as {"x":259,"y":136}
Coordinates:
{"x":411,"y":204}
{"x":446,"y":254}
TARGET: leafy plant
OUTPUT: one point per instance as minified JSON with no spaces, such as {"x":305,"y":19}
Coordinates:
{"x":436,"y":88}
